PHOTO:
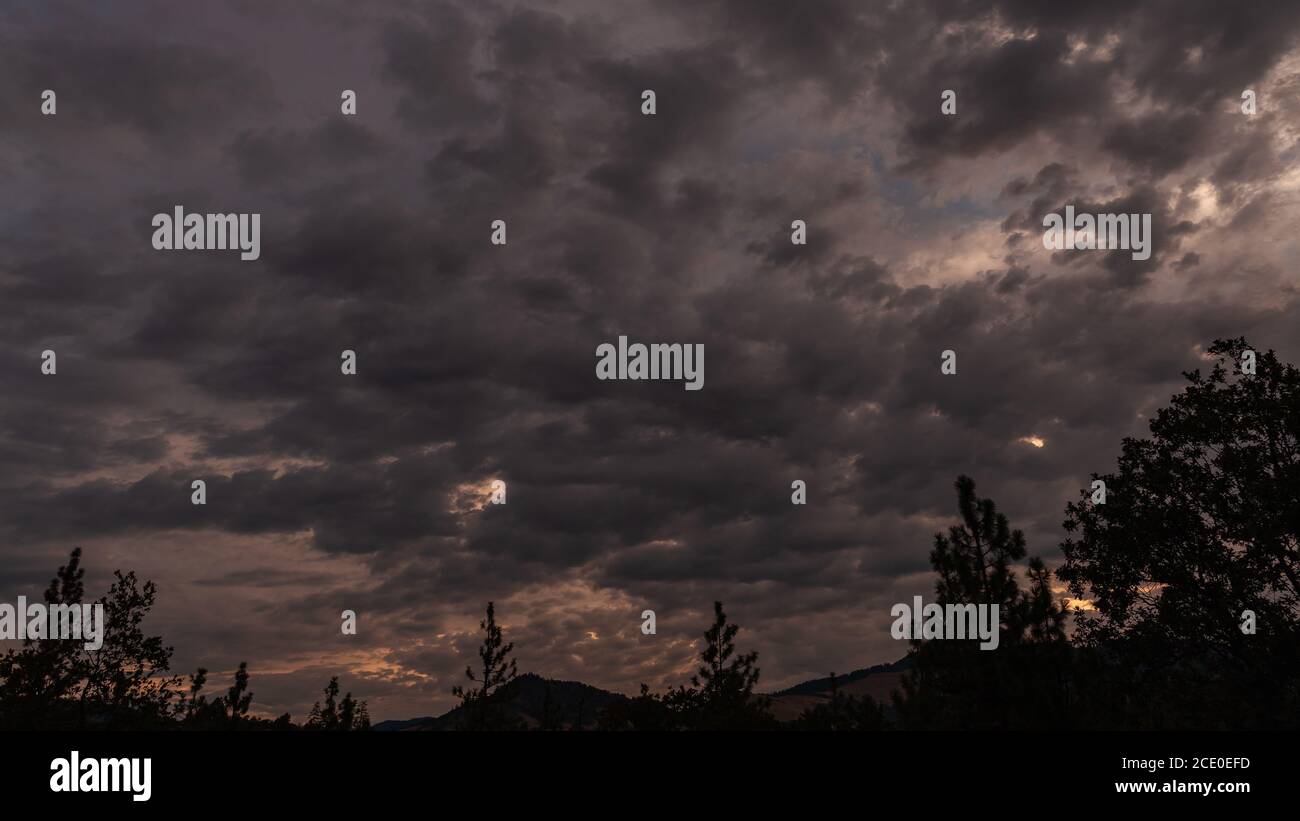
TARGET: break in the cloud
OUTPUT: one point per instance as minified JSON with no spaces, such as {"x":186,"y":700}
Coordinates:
{"x":476,"y":362}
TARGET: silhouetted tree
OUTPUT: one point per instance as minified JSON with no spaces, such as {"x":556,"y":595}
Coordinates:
{"x":353,"y":714}
{"x":37,"y":682}
{"x":647,"y":711}
{"x":193,"y":703}
{"x":721,"y":695}
{"x":238,"y":698}
{"x":551,"y":718}
{"x":126,"y":677}
{"x":498,"y":669}
{"x":842,"y":712}
{"x":327,"y":717}
{"x":344,"y":716}
{"x":60,"y":683}
{"x":1021,"y":683}
{"x":1201,"y":523}
{"x":194,"y":711}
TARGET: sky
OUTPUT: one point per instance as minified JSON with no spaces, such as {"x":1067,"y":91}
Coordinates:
{"x":476,"y":362}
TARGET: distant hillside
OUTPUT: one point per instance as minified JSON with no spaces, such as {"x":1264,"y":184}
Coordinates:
{"x":403,"y":724}
{"x":823,"y":685}
{"x":571,"y":701}
{"x":878,"y":682}
{"x":531,"y":698}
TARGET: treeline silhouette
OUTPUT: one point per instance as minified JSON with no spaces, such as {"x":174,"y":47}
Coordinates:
{"x":53,"y":684}
{"x":720,"y":694}
{"x":1189,"y":566}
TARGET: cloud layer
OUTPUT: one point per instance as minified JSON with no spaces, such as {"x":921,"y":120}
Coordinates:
{"x":476,"y":362}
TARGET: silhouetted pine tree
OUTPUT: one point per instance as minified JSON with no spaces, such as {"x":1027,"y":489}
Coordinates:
{"x":343,"y":716}
{"x":37,"y":681}
{"x":238,"y":698}
{"x":647,"y":711}
{"x":326,"y":717}
{"x":193,"y":704}
{"x":193,"y":711}
{"x":1023,"y":683}
{"x":498,"y":669}
{"x":721,"y":695}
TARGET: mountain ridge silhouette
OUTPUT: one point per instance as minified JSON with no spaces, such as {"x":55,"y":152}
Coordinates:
{"x":572,"y":702}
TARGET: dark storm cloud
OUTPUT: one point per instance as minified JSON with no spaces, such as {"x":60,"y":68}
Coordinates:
{"x":831,"y":42}
{"x":277,"y":157}
{"x":1185,"y":61}
{"x":163,"y":92}
{"x":1061,"y":189}
{"x":476,"y":362}
{"x":432,"y":56}
{"x":1014,"y":91}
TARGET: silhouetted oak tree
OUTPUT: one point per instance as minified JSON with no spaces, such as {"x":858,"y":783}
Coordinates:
{"x":59,"y":684}
{"x":1201,"y":523}
{"x":53,"y":683}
